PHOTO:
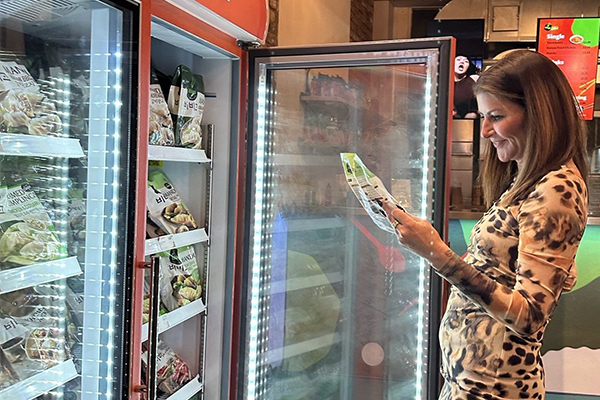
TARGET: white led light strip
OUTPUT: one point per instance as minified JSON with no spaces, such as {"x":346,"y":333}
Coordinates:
{"x":257,"y":236}
{"x":102,"y":215}
{"x":427,"y":167}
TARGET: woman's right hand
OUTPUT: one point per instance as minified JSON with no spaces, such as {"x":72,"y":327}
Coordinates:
{"x":418,"y":235}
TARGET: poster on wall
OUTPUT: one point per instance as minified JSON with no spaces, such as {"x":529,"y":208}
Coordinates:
{"x":572,"y":43}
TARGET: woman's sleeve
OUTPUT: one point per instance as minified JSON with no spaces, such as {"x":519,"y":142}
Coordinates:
{"x":551,"y":222}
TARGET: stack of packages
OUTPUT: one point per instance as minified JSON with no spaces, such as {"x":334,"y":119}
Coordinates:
{"x":27,"y":234}
{"x":177,"y":120}
{"x":24,"y":109}
{"x":172,"y":372}
{"x":179,"y":274}
{"x":33,"y":336}
{"x":168,"y":214}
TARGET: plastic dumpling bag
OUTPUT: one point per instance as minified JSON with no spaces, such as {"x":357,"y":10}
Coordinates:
{"x":369,"y":190}
{"x":161,"y":124}
{"x":27,"y":234}
{"x":186,"y":103}
{"x":179,"y":278}
{"x":166,"y":209}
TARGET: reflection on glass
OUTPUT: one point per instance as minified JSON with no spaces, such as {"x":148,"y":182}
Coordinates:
{"x":61,"y":106}
{"x":339,"y":305}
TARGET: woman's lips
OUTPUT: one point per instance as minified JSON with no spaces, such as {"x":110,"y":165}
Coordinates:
{"x":498,"y":143}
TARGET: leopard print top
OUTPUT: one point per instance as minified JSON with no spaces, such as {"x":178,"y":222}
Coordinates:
{"x":504,"y":292}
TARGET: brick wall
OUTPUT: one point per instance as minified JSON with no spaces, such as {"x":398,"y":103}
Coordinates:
{"x":273,"y":23}
{"x":361,"y":20}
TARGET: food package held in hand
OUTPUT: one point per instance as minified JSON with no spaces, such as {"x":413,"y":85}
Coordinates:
{"x":165,"y":207}
{"x":161,"y":124}
{"x":23,"y":108}
{"x":26,"y":231}
{"x":172,"y":372}
{"x":369,"y":190}
{"x":186,"y":104}
{"x":179,"y":278}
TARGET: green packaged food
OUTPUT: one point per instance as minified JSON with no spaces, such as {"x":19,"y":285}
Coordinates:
{"x":179,"y":278}
{"x":27,"y":234}
{"x":165,"y":207}
{"x":186,"y":104}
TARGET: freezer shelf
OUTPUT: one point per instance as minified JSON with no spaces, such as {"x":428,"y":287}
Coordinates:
{"x":41,"y":383}
{"x":12,"y":144}
{"x":174,"y":241}
{"x":35,"y":274}
{"x":176,"y":317}
{"x":180,"y":154}
{"x":191,"y":388}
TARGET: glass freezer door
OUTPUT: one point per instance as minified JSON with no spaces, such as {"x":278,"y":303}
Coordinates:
{"x":66,"y":75}
{"x":334,"y":308}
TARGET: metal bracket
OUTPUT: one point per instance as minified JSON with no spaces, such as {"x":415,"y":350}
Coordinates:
{"x":248,"y":45}
{"x":145,"y":265}
{"x":141,"y":389}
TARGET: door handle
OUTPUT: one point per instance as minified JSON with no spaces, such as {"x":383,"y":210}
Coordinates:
{"x":148,"y":391}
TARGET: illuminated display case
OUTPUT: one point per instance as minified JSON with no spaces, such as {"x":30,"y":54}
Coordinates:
{"x":66,"y":133}
{"x":333,"y":307}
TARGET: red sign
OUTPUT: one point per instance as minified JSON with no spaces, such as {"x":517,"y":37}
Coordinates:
{"x":572,"y":43}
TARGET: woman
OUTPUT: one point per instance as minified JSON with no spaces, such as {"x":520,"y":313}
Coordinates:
{"x":522,"y":251}
{"x":465,"y":76}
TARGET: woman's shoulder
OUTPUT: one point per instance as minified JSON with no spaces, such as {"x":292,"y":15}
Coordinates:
{"x":562,"y":190}
{"x":566,"y":181}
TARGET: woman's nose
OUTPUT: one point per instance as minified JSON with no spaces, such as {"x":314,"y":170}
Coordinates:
{"x":486,"y":128}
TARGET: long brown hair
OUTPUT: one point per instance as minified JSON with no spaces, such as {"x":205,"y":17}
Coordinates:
{"x":554,"y":132}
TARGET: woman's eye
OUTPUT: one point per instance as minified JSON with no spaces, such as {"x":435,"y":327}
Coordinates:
{"x":495,"y":118}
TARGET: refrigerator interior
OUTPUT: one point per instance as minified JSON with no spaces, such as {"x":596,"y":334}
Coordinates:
{"x":65,"y":134}
{"x":203,"y":185}
{"x":337,"y":309}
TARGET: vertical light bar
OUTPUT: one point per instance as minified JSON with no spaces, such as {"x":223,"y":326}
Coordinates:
{"x":112,"y":223}
{"x":102,"y":204}
{"x":426,"y":213}
{"x":257,"y":235}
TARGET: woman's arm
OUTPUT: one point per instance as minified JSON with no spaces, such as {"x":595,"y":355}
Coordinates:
{"x":551,"y":223}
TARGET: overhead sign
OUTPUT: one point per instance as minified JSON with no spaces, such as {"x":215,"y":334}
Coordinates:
{"x":572,"y":43}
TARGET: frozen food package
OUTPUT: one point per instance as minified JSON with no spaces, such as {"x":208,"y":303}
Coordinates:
{"x":161,"y":124}
{"x":186,"y":104}
{"x":146,"y":305}
{"x":76,"y":211}
{"x":369,"y":190}
{"x":23,"y":108}
{"x":27,"y":234}
{"x":179,"y":277}
{"x":172,"y":372}
{"x":31,"y":335}
{"x":8,"y":376}
{"x":165,"y":207}
{"x":153,"y":230}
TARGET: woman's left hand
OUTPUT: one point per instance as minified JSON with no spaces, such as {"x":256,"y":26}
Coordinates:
{"x":418,"y":235}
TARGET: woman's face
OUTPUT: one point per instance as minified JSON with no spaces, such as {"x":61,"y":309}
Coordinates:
{"x":461,"y":65}
{"x":503,"y":123}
